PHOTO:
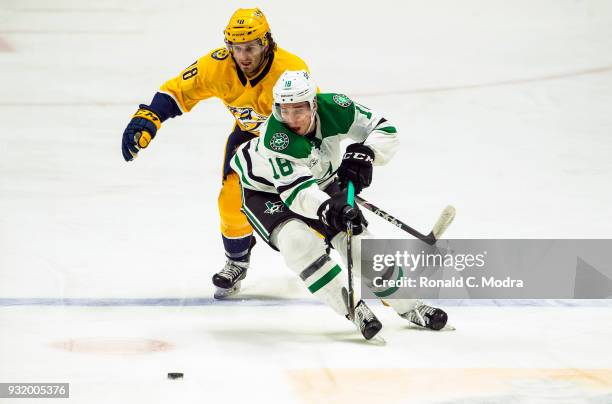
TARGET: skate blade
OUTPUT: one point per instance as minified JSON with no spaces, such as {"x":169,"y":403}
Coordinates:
{"x":222,"y":293}
{"x":377,"y":340}
{"x":446,"y":328}
{"x":416,"y":326}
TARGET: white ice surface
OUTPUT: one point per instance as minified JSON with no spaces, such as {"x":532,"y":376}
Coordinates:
{"x":504,"y":109}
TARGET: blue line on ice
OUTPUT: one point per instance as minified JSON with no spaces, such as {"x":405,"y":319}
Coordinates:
{"x":270,"y":301}
{"x":170,"y":301}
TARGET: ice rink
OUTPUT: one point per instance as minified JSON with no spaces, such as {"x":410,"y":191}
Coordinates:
{"x":504,"y":109}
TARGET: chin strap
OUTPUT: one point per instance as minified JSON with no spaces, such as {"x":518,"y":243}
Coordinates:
{"x":312,"y":121}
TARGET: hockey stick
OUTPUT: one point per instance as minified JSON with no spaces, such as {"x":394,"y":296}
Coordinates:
{"x":350,"y":199}
{"x":445,"y":219}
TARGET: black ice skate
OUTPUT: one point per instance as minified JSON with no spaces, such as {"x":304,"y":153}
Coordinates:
{"x":229,"y":278}
{"x":426,"y":316}
{"x":365,"y":320}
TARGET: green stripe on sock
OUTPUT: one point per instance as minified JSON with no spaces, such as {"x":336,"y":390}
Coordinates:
{"x":392,"y":290}
{"x":325,"y":279}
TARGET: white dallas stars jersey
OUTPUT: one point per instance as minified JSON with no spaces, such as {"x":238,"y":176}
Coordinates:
{"x":299,"y":167}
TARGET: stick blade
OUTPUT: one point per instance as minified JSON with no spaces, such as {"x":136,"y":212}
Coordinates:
{"x":445,"y":219}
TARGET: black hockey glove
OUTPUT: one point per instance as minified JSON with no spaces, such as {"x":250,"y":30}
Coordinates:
{"x":335,"y":214}
{"x":356,"y":166}
{"x":135,"y":135}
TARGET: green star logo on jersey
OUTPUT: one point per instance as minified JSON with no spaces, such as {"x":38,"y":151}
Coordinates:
{"x":342,"y":100}
{"x":274,"y":207}
{"x":279,"y":141}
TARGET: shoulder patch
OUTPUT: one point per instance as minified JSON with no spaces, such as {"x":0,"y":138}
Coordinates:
{"x":220,"y":54}
{"x":342,"y":100}
{"x":279,"y":141}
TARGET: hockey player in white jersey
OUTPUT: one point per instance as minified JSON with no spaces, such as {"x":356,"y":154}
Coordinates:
{"x":294,"y":181}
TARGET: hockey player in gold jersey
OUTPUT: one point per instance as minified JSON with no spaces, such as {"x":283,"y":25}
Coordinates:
{"x":242,"y":75}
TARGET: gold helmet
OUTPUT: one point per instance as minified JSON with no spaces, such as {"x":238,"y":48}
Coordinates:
{"x":245,"y":25}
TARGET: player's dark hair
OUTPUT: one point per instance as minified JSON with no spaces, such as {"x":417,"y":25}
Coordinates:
{"x":272,"y":45}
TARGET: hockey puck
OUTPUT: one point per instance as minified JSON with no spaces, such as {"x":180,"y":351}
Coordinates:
{"x":174,"y":376}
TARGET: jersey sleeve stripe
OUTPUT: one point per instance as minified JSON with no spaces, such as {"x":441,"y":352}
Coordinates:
{"x":388,"y":129}
{"x":297,"y":190}
{"x":242,"y":176}
{"x":295,"y":183}
{"x":249,"y":163}
{"x":385,"y":128}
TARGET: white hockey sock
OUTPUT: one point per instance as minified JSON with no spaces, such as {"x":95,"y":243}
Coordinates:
{"x":323,"y":279}
{"x":339,"y":242}
{"x":305,"y":254}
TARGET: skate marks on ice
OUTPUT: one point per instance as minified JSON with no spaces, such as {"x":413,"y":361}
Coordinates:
{"x":112,"y":345}
{"x":415,"y":327}
{"x":242,"y":299}
{"x":467,"y":386}
{"x":253,"y":300}
{"x":4,"y":46}
{"x":305,"y":334}
{"x":492,"y":84}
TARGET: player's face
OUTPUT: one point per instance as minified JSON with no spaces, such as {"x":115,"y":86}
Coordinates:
{"x":248,"y":55}
{"x":297,"y":116}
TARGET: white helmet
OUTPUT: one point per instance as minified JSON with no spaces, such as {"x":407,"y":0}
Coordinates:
{"x":293,"y":87}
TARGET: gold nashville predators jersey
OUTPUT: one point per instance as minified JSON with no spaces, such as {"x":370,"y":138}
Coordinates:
{"x":249,"y":100}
